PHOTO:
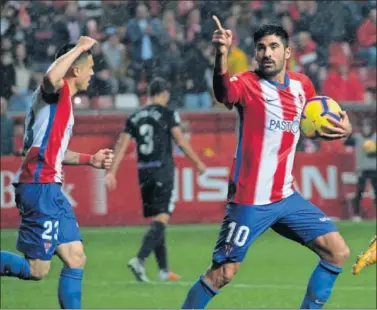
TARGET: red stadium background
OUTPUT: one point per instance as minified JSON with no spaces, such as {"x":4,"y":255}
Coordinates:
{"x":327,"y":178}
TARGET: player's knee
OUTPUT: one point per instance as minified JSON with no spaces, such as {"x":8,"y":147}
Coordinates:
{"x":341,"y":255}
{"x":38,"y":274}
{"x":332,"y":248}
{"x":163,"y":218}
{"x":39,"y":269}
{"x":77,"y":259}
{"x":338,"y":255}
{"x":219,"y":276}
{"x":227,"y":275}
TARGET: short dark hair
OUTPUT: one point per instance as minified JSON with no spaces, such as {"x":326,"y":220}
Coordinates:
{"x":271,"y":29}
{"x":157,"y":86}
{"x":67,"y":47}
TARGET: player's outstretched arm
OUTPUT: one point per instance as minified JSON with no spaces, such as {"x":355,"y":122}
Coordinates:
{"x":120,"y":148}
{"x":225,"y":91}
{"x":100,"y":160}
{"x":181,"y":141}
{"x":53,"y":79}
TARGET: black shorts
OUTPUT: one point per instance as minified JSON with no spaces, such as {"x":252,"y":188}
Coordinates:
{"x":157,"y":197}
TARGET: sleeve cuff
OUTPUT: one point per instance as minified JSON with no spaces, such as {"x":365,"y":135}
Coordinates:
{"x":225,"y":74}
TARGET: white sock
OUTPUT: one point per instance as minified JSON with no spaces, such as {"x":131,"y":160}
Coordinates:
{"x":163,"y":274}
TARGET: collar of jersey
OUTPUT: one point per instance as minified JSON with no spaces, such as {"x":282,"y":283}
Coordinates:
{"x":278,"y":85}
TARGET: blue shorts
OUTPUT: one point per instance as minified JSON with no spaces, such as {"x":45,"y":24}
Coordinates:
{"x":294,"y":218}
{"x":47,"y":220}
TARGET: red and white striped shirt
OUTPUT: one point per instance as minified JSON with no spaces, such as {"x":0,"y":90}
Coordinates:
{"x":48,"y":128}
{"x":268,"y":131}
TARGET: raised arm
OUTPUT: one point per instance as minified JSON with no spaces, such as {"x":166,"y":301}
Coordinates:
{"x":227,"y":90}
{"x":53,"y":79}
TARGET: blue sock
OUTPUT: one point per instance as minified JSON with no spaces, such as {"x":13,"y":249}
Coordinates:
{"x":13,"y":265}
{"x":70,"y":288}
{"x":320,"y":285}
{"x":199,"y":295}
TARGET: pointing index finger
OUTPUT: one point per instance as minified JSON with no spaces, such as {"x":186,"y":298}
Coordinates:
{"x":217,"y":21}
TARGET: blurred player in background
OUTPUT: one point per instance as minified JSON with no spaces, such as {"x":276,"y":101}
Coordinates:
{"x":48,"y":223}
{"x":364,"y":143}
{"x":366,"y":258}
{"x":153,"y":127}
{"x":269,"y":103}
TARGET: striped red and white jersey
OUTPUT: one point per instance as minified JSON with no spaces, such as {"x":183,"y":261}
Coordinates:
{"x":268,"y":131}
{"x":48,"y":128}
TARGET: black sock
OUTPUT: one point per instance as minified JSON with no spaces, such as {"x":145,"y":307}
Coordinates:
{"x":161,"y":256}
{"x":150,"y":240}
{"x":356,"y":204}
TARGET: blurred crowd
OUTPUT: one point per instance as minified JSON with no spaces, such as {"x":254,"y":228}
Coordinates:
{"x":333,"y":42}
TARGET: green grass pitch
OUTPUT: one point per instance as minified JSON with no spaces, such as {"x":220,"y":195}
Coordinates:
{"x":273,"y":275}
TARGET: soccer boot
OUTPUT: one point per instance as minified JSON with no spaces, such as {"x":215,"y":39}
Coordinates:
{"x":137,"y":268}
{"x":367,"y":258}
{"x":168,"y":276}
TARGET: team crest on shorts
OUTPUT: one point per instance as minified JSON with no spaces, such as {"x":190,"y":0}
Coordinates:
{"x":227,"y":248}
{"x":47,"y":246}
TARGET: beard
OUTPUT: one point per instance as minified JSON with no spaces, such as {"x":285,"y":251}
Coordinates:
{"x":271,"y":71}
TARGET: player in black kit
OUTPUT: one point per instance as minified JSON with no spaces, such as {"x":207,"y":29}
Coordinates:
{"x":153,"y":127}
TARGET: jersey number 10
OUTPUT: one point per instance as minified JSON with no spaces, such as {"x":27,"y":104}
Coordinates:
{"x":239,"y":235}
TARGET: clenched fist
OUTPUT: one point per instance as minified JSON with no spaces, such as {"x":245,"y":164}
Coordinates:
{"x":102,"y":159}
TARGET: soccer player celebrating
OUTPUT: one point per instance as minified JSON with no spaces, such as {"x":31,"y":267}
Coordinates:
{"x":261,"y":193}
{"x":48,"y":224}
{"x":153,"y":127}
